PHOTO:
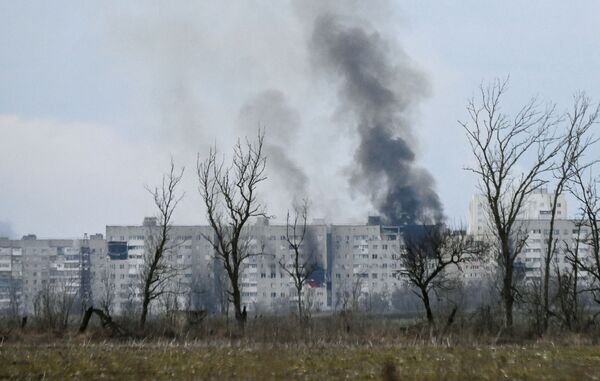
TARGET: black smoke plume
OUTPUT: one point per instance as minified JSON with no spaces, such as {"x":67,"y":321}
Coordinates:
{"x":378,"y":89}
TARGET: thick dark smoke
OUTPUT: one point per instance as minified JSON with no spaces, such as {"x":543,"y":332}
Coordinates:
{"x":270,"y":111}
{"x":378,"y":88}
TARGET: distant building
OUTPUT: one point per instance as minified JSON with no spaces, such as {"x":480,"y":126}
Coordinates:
{"x":266,"y":286}
{"x":533,"y":224}
{"x":365,"y":262}
{"x":31,"y":268}
{"x":537,"y":206}
{"x":356,"y":266}
{"x":117,"y":274}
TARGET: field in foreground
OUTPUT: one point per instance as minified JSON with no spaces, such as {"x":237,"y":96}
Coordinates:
{"x":199,"y":361}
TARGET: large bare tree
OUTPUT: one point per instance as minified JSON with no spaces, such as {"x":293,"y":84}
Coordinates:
{"x":427,"y":255}
{"x":512,"y":154}
{"x":303,"y":262}
{"x":567,"y":308}
{"x":230,"y":198}
{"x":157,"y":272}
{"x":585,"y":189}
{"x":573,"y":146}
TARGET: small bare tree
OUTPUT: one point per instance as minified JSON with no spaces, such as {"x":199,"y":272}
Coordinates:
{"x":303,"y":259}
{"x":349,"y":292}
{"x":573,"y":146}
{"x":54,"y":303}
{"x":230,"y":197}
{"x":501,"y":147}
{"x":106,"y":294}
{"x":428,"y":254}
{"x":15,"y":290}
{"x":157,"y":272}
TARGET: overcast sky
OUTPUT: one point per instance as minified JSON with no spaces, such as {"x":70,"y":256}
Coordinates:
{"x":95,"y":96}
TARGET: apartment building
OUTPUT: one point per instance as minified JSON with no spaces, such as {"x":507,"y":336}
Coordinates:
{"x":117,"y":276}
{"x":365,"y":262}
{"x":11,"y":278}
{"x":354,"y":266}
{"x":533,"y":225}
{"x":266,"y":286}
{"x":538,"y":206}
{"x":32,"y":267}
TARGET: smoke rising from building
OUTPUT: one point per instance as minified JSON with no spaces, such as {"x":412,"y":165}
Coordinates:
{"x":269,"y":110}
{"x":378,"y":88}
{"x":6,"y":230}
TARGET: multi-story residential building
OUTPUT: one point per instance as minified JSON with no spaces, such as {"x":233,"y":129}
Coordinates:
{"x":364,"y":262}
{"x":533,"y":225}
{"x":355,"y":266}
{"x":38,"y":266}
{"x":567,"y":234}
{"x":266,"y":286}
{"x":538,"y":206}
{"x":11,"y":279}
{"x":200,"y":282}
{"x":117,"y":276}
{"x":352,"y":264}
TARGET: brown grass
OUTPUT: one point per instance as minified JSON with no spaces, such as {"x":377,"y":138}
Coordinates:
{"x":201,"y":360}
{"x":330,"y":347}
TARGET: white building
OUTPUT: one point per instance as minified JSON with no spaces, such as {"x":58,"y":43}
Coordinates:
{"x":117,"y":277}
{"x":533,"y":224}
{"x":537,"y":206}
{"x":364,"y":263}
{"x":266,"y":286}
{"x":31,"y":268}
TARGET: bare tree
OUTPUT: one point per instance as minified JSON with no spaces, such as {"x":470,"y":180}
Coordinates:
{"x":230,"y":197}
{"x":427,"y":255}
{"x":501,"y":147}
{"x":104,"y":289}
{"x":573,"y":147}
{"x":584,"y":187}
{"x":15,"y":290}
{"x":303,"y":259}
{"x":349,"y":292}
{"x":55,"y":301}
{"x":567,"y":290}
{"x":106,"y":294}
{"x":156,"y":271}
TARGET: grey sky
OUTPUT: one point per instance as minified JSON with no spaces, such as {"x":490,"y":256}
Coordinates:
{"x":94,"y":96}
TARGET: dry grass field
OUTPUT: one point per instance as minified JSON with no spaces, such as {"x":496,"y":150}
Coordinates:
{"x":77,"y":360}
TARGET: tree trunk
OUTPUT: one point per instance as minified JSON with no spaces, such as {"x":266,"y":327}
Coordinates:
{"x":546,"y":314}
{"x":427,"y":305}
{"x":86,"y":319}
{"x":575,"y":296}
{"x":145,"y":304}
{"x":237,"y":304}
{"x":104,"y":318}
{"x":507,"y":284}
{"x":299,"y":290}
{"x":507,"y":296}
{"x":549,"y":255}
